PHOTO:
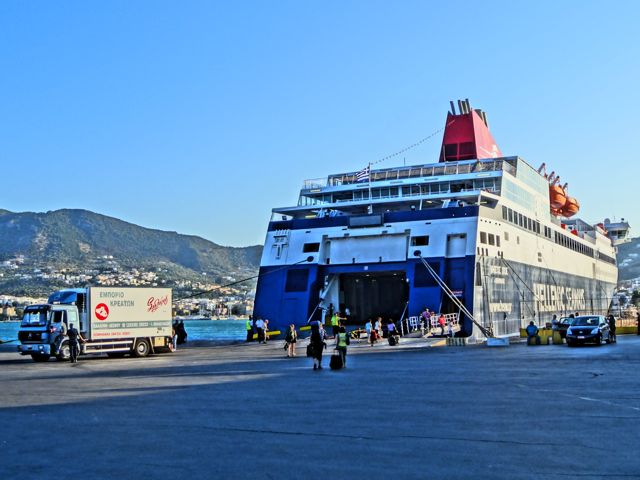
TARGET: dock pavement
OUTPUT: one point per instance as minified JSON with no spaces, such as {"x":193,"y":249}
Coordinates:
{"x":417,"y":410}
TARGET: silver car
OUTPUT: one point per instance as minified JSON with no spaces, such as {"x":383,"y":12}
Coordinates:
{"x":588,"y":329}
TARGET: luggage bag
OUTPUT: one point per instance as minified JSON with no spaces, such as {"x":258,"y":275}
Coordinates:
{"x":336,"y":361}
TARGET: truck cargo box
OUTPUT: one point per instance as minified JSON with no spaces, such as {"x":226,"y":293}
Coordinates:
{"x":117,"y":312}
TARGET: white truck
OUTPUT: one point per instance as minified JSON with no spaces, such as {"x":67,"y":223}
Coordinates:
{"x":112,"y":320}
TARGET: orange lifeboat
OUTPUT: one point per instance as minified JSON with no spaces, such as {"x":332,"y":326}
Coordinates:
{"x":557,"y":197}
{"x":570,"y":208}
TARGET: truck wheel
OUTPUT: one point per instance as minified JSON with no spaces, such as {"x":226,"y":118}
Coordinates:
{"x":141,"y":349}
{"x":40,"y":357}
{"x":64,"y":353}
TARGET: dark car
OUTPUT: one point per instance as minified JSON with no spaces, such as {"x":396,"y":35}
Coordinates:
{"x":588,"y":329}
{"x":563,"y":325}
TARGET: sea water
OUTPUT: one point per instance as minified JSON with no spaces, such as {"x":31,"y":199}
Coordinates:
{"x":226,"y":330}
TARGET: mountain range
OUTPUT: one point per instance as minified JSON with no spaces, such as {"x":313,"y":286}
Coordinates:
{"x":80,"y":238}
{"x":629,"y":259}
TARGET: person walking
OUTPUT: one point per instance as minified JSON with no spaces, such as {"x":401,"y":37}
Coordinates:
{"x":260,"y":329}
{"x":378,"y":328}
{"x":75,"y":337}
{"x":425,"y":318}
{"x":249,"y":327}
{"x":342,"y":340}
{"x":328,"y":314}
{"x":335,"y":324}
{"x":442,"y":321}
{"x":369,"y":329}
{"x":291,"y":338}
{"x":174,"y":337}
{"x":266,"y":330}
{"x":317,"y":344}
{"x":612,"y":328}
{"x":181,"y":332}
{"x":638,"y":320}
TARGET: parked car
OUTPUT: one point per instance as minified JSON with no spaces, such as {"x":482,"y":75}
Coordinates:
{"x":563,"y":325}
{"x":588,"y":329}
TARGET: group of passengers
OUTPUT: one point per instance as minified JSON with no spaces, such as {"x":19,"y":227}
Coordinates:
{"x":380,"y":329}
{"x":427,"y":317}
{"x":257,"y":327}
{"x":317,"y":343}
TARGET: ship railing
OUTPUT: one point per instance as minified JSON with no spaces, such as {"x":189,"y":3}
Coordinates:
{"x":449,"y":168}
{"x":402,"y":318}
{"x":315,"y":183}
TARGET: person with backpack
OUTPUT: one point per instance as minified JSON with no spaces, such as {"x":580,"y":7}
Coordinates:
{"x":342,"y":340}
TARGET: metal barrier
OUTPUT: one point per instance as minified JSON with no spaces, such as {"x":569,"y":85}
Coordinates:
{"x":506,"y":327}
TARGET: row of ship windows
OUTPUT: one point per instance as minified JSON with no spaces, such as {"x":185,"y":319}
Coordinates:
{"x":522,"y":220}
{"x":563,"y":240}
{"x":417,"y":241}
{"x":570,"y":243}
{"x":489,"y":184}
{"x":494,"y":240}
{"x":490,"y":239}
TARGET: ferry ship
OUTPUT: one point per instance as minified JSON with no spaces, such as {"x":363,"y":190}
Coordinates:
{"x":484,"y":236}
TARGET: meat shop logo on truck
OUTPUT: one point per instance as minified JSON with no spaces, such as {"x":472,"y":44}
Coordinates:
{"x":102,"y":311}
{"x":153,"y":304}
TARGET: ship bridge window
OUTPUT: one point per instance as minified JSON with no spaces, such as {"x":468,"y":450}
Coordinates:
{"x":420,"y":241}
{"x":483,"y":237}
{"x":511,"y":215}
{"x":504,"y":212}
{"x":492,"y":239}
{"x":459,"y":187}
{"x":311,"y":247}
{"x":343,"y":197}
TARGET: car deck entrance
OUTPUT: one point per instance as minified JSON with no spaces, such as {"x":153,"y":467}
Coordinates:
{"x":375,"y":294}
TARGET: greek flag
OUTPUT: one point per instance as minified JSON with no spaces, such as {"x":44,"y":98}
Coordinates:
{"x":363,"y":175}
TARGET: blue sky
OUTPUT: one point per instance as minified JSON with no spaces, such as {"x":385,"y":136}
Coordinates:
{"x":199,"y":117}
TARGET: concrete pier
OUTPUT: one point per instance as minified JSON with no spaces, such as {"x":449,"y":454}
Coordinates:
{"x":246,"y":411}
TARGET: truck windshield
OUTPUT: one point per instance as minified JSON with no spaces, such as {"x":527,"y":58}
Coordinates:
{"x":33,"y":318}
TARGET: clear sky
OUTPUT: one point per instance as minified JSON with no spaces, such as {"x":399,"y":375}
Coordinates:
{"x":199,"y":117}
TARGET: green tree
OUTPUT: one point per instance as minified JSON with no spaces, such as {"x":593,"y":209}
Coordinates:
{"x":635,"y":298}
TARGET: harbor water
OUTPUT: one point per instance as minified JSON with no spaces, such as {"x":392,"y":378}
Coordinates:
{"x":223,"y":330}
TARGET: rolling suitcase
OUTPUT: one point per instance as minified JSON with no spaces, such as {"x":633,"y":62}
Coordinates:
{"x":336,"y":361}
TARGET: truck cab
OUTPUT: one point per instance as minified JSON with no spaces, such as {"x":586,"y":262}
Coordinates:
{"x":40,"y":332}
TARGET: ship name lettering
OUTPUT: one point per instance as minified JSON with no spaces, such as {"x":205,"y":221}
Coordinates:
{"x":558,"y":298}
{"x":500,"y":307}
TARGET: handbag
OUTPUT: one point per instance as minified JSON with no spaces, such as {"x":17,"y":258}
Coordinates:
{"x":309,"y":350}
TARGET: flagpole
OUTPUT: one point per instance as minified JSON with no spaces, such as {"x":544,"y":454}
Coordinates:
{"x":370,"y":199}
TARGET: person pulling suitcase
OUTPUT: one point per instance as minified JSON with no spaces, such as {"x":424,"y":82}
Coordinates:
{"x":342,"y":340}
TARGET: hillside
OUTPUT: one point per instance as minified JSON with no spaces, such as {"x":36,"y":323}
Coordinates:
{"x":80,"y":239}
{"x":629,"y":259}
